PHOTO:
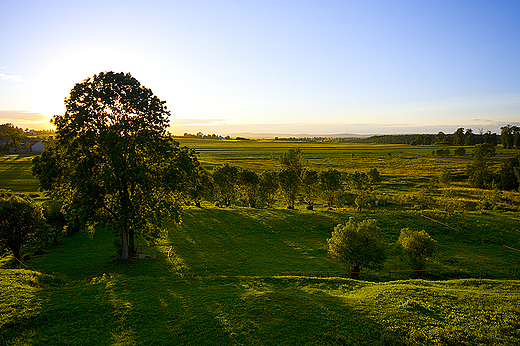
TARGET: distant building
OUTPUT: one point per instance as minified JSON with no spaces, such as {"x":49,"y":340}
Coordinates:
{"x":29,"y":146}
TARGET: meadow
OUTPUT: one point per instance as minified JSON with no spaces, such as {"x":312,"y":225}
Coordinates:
{"x":243,"y":276}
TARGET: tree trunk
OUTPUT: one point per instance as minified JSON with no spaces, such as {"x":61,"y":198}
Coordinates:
{"x":124,"y":244}
{"x":131,"y":242}
{"x":16,"y":253}
{"x":355,"y":272}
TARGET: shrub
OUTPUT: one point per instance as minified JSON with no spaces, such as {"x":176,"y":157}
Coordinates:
{"x":445,"y":177}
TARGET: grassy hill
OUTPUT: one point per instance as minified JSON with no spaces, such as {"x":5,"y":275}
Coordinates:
{"x":241,"y":276}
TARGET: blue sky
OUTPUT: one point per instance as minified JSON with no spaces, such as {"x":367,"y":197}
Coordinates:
{"x":292,"y":67}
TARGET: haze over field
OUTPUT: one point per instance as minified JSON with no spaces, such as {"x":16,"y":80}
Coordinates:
{"x":290,"y":67}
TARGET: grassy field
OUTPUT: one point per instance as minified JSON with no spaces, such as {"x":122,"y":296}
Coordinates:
{"x":242,"y":276}
{"x":15,"y":172}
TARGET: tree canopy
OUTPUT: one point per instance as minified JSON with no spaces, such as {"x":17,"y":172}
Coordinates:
{"x":415,"y":247}
{"x":21,"y":222}
{"x":114,"y":164}
{"x":357,"y":245}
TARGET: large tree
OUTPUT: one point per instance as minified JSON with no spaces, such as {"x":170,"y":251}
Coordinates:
{"x":21,"y":222}
{"x":114,"y":164}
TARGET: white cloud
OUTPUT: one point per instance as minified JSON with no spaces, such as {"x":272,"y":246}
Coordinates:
{"x":13,"y":77}
{"x":5,"y":67}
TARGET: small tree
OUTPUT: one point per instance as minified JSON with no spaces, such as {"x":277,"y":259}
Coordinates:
{"x":360,"y":185}
{"x":460,"y":151}
{"x":293,"y":160}
{"x":225,"y":179}
{"x":55,"y":218}
{"x":445,"y":177}
{"x":415,"y":247}
{"x":289,"y":185}
{"x":310,"y":188}
{"x":330,"y":184}
{"x":269,"y":187}
{"x":458,"y":136}
{"x":374,"y":175}
{"x":249,"y":183}
{"x":21,"y":222}
{"x":357,"y":245}
{"x":478,"y":170}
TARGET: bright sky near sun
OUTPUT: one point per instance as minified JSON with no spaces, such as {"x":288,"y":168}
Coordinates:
{"x":292,"y":67}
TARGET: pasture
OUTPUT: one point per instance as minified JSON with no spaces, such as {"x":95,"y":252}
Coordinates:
{"x":243,"y":276}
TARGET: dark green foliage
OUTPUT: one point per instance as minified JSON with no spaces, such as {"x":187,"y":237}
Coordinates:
{"x":509,"y":136}
{"x":249,"y":183}
{"x":361,"y":185}
{"x":479,"y":173}
{"x":14,"y":134}
{"x":458,"y":136}
{"x":415,"y":248}
{"x":201,"y":186}
{"x":269,"y":187}
{"x":225,"y":179}
{"x":357,"y":245}
{"x":422,"y":140}
{"x":469,"y":137}
{"x":374,"y":175}
{"x":490,"y":138}
{"x":289,"y":186}
{"x":445,"y":178}
{"x":507,"y":174}
{"x":21,"y":223}
{"x":330,"y":185}
{"x":293,"y":160}
{"x":483,"y":150}
{"x":442,"y":152}
{"x":460,"y":151}
{"x":55,"y":218}
{"x":478,"y":170}
{"x":114,"y":163}
{"x":388,"y":139}
{"x":310,"y":187}
{"x":441,"y":138}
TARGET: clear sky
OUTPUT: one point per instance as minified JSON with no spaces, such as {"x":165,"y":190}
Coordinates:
{"x":292,"y":67}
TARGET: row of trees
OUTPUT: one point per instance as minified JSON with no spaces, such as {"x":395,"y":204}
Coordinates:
{"x":360,"y":244}
{"x":459,"y":137}
{"x":294,"y":182}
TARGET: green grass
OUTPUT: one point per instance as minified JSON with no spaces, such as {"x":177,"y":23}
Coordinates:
{"x":241,"y":276}
{"x":15,"y":172}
